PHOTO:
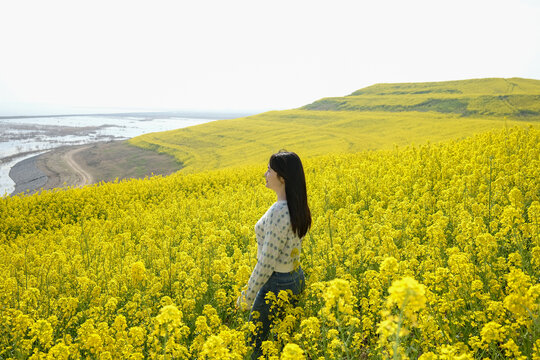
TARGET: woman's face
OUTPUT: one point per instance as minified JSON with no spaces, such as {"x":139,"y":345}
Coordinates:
{"x":273,"y":180}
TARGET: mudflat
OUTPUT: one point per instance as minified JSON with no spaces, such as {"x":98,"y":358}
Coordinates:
{"x":74,"y":166}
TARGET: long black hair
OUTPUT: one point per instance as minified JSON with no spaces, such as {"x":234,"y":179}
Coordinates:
{"x":289,"y":167}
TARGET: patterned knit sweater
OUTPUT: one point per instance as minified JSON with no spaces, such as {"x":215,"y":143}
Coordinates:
{"x":278,"y":248}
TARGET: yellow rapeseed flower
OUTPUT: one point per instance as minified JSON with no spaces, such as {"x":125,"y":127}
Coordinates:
{"x":492,"y":332}
{"x":292,"y":351}
{"x":138,"y":271}
{"x":407,"y":294}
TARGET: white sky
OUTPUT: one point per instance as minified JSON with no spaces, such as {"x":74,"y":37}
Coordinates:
{"x":250,"y":55}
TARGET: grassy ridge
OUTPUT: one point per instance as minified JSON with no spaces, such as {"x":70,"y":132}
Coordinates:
{"x":489,"y":86}
{"x":514,"y":98}
{"x":523,"y":107}
{"x":348,"y":124}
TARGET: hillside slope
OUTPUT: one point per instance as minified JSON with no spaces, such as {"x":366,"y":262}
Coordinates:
{"x":377,"y":117}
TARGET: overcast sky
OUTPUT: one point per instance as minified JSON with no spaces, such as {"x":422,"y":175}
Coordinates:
{"x":250,"y":55}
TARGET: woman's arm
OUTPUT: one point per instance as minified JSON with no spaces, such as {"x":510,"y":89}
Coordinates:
{"x":275,"y":237}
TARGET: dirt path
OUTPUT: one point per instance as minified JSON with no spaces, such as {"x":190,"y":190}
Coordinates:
{"x":81,"y":165}
{"x":86,"y":178}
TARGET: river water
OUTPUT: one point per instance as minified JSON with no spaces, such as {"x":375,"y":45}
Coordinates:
{"x":24,"y":137}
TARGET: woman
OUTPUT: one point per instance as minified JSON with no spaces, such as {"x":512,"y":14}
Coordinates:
{"x":279,"y":238}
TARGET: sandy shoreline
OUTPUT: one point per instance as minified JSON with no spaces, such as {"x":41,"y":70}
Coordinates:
{"x":74,"y":166}
{"x":27,"y":176}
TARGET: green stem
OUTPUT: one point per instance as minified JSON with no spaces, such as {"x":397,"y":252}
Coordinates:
{"x":489,"y":195}
{"x":341,"y":335}
{"x":397,"y":340}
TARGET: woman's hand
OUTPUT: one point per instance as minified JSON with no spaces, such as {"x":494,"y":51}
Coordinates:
{"x":241,"y":302}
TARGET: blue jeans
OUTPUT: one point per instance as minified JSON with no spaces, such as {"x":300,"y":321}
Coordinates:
{"x":293,"y":281}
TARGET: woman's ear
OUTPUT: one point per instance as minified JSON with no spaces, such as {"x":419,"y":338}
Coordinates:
{"x":281,"y":180}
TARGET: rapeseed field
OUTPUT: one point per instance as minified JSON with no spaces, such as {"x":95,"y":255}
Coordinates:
{"x":429,"y":251}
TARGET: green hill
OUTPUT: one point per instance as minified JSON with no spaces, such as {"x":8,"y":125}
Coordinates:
{"x":377,"y":117}
{"x":515,"y":98}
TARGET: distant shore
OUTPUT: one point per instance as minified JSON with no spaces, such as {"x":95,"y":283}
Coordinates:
{"x":75,"y":166}
{"x":149,"y":114}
